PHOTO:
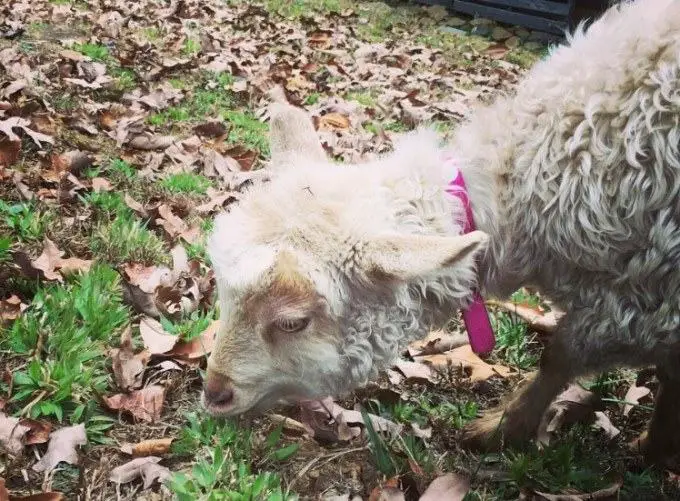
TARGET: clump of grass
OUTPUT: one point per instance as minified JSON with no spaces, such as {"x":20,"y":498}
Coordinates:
{"x":95,"y":51}
{"x":247,"y":129}
{"x":67,"y":329}
{"x":25,"y":220}
{"x":186,"y":182}
{"x":191,"y":47}
{"x":222,"y":468}
{"x":189,"y":327}
{"x":127,"y":239}
{"x":513,"y":342}
{"x":5,"y":246}
{"x":108,"y":205}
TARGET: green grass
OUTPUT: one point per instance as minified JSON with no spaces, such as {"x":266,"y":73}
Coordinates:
{"x":5,"y":247}
{"x":295,"y":9}
{"x":187,"y":183}
{"x":124,"y":79}
{"x":66,"y":331}
{"x":248,"y":130}
{"x":190,"y":327}
{"x":513,"y":341}
{"x":365,"y":98}
{"x":126,"y":239}
{"x":26,"y":222}
{"x":108,"y":205}
{"x":222,"y":454}
{"x":95,"y":51}
{"x":191,"y":47}
{"x":210,"y":98}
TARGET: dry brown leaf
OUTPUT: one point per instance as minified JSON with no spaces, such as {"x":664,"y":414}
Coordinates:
{"x":437,"y":342}
{"x":334,"y":122}
{"x":146,"y":467}
{"x":153,"y":447}
{"x":389,"y":491}
{"x":38,"y":431}
{"x":151,"y":142}
{"x":424,"y":433}
{"x":41,"y":496}
{"x":633,"y":397}
{"x":145,"y":404}
{"x":100,"y":184}
{"x":12,"y":434}
{"x":473,"y":367}
{"x":155,"y":338}
{"x":575,"y":404}
{"x":62,"y":447}
{"x":10,"y":123}
{"x":449,"y":487}
{"x":147,"y":278}
{"x":49,"y":261}
{"x":211,"y":129}
{"x":74,"y":265}
{"x":9,"y":152}
{"x":603,"y":422}
{"x":536,"y":319}
{"x":11,"y":308}
{"x":197,"y":347}
{"x":610,"y":493}
{"x":128,"y":367}
{"x":415,"y":371}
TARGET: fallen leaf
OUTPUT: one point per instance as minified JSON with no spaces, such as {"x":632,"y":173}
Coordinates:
{"x":128,"y":367}
{"x":535,"y":318}
{"x":575,"y":404}
{"x":49,"y":261}
{"x":198,"y":347}
{"x":450,"y":487}
{"x":12,"y":434}
{"x":211,"y":129}
{"x":419,"y":432}
{"x":100,"y":184}
{"x":38,"y":431}
{"x":9,"y":152}
{"x":603,"y":422}
{"x":147,"y":278}
{"x":155,"y":338}
{"x":389,"y":491}
{"x":62,"y":447}
{"x":437,"y":342}
{"x":153,"y":447}
{"x":415,"y":371}
{"x":473,"y":367}
{"x":334,"y":122}
{"x":11,"y":308}
{"x":145,"y":404}
{"x":633,"y":397}
{"x":146,"y":467}
{"x":10,"y":123}
{"x":42,"y":496}
{"x":610,"y":493}
{"x":151,"y":142}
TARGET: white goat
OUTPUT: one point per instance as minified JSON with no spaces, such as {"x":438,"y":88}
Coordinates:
{"x":327,"y":271}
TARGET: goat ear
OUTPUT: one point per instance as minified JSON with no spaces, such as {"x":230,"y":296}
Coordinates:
{"x":405,"y":257}
{"x":292,"y":136}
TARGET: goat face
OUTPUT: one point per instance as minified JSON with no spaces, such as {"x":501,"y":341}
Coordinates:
{"x":298,"y":263}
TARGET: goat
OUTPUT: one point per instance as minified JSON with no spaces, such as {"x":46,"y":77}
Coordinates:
{"x":327,"y":271}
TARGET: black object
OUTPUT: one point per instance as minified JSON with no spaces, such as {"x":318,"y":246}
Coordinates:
{"x":552,"y":16}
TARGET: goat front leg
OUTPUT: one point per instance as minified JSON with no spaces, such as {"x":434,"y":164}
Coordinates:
{"x":584,"y":342}
{"x":518,"y":421}
{"x":661,"y":445}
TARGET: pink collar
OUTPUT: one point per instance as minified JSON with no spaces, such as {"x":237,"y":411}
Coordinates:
{"x":476,"y":317}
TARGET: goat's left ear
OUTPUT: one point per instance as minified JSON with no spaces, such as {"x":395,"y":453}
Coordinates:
{"x":406,"y":257}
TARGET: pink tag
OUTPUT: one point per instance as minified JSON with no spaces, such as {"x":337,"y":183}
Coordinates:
{"x":476,"y":316}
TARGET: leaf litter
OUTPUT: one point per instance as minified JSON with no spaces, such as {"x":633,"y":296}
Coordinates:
{"x":360,"y":93}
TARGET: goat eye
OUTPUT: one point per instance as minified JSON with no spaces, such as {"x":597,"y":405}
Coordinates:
{"x":292,"y":324}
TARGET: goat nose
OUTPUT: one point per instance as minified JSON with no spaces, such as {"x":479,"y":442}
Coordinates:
{"x":218,"y":389}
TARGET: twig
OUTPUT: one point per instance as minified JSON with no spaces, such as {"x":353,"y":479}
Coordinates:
{"x":328,"y":459}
